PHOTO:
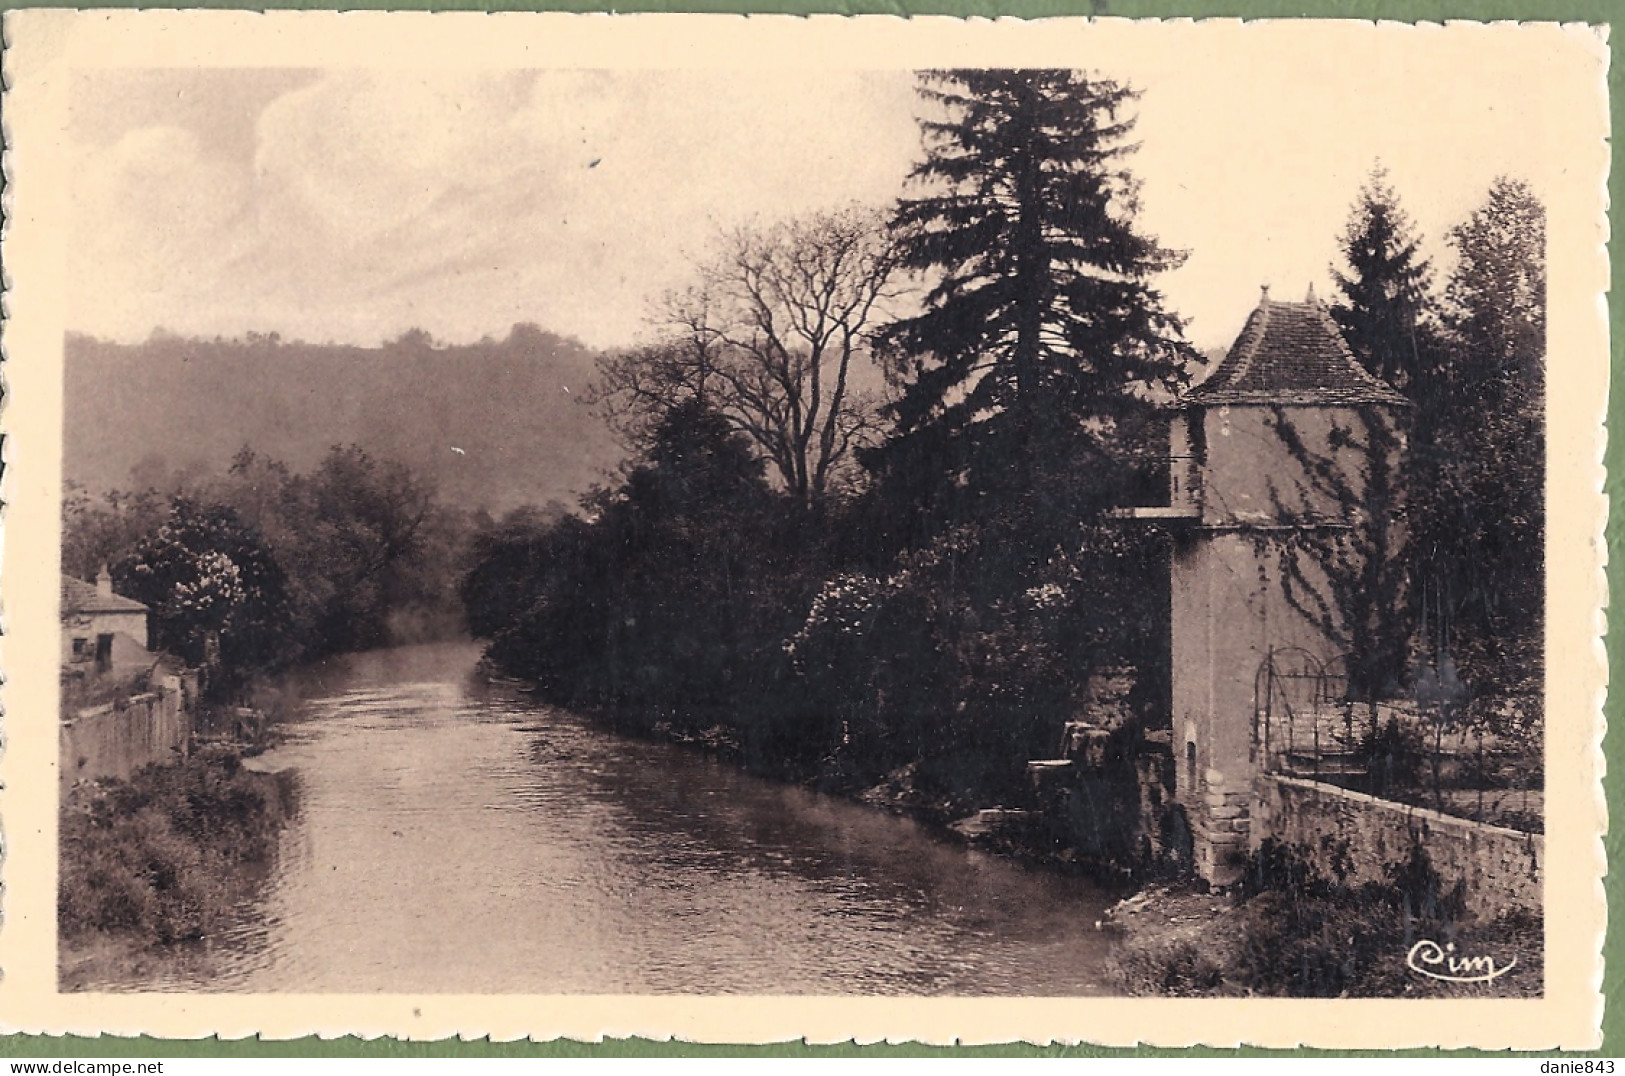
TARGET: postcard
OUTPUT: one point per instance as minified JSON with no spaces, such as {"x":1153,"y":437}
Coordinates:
{"x":759,"y":529}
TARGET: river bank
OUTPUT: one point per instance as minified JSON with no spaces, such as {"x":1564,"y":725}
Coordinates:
{"x":161,"y":861}
{"x":988,"y":826}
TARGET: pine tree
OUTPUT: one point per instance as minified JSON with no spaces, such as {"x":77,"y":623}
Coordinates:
{"x":1041,"y":330}
{"x":1384,"y":314}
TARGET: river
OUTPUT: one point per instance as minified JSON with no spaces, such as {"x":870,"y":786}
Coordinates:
{"x":456,"y":837}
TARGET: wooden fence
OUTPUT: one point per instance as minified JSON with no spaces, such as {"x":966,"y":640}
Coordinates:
{"x":116,"y":739}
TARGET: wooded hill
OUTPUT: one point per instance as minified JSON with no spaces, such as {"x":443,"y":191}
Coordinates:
{"x":138,"y":415}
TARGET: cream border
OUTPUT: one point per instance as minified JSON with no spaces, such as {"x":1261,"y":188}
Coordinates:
{"x":44,"y":45}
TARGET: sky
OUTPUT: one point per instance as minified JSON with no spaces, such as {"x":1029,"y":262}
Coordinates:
{"x":349,"y":205}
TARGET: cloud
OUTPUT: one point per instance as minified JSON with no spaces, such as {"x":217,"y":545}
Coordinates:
{"x":150,"y":208}
{"x":461,"y":202}
{"x":359,"y":153}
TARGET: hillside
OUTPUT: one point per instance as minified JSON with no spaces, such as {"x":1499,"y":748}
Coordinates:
{"x":136,"y":413}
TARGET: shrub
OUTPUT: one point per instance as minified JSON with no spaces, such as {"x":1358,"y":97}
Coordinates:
{"x":1394,"y":756}
{"x":161,"y":855}
{"x":1180,"y":969}
{"x":1304,"y":935}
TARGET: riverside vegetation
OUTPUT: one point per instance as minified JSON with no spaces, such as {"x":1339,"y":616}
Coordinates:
{"x":164,"y":857}
{"x":1288,"y":930}
{"x":245,"y":575}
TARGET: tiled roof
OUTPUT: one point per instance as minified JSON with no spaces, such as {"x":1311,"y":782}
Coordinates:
{"x":79,"y":596}
{"x":1291,"y":353}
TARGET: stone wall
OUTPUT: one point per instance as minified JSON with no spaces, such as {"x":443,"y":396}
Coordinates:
{"x":1501,"y":868}
{"x":115,"y":740}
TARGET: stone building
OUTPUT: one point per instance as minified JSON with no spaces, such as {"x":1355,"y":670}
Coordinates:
{"x":1251,"y":450}
{"x":102,"y":632}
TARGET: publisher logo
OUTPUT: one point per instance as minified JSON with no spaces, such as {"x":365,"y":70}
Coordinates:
{"x":1442,"y":962}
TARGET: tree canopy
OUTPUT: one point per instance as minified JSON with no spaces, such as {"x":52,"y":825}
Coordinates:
{"x":1383,"y":311}
{"x":261,"y":567}
{"x":216,"y":593}
{"x":1470,"y":357}
{"x":1041,"y":328}
{"x":1481,"y":444}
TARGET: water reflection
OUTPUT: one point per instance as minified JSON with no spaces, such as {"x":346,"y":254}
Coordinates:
{"x":458,"y":839}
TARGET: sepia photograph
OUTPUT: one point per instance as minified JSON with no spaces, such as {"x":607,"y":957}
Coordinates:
{"x":942,"y":528}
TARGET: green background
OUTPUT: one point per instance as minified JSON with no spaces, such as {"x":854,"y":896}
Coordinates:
{"x":1586,"y":11}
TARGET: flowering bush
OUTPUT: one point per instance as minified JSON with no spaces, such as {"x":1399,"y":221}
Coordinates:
{"x":210,"y":582}
{"x":210,"y":599}
{"x":842,"y":615}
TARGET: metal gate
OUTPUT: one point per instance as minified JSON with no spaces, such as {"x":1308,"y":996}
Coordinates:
{"x":1302,"y":722}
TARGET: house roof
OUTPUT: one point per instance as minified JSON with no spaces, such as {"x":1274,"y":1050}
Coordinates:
{"x":1290,"y":353}
{"x":79,"y":596}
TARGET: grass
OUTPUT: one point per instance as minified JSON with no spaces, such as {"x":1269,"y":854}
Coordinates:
{"x":166,"y":856}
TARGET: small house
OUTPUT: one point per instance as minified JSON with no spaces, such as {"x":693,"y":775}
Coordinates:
{"x":102,"y":632}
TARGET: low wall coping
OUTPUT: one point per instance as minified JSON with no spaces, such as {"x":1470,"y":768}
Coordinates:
{"x":101,"y":709}
{"x":1409,"y":810}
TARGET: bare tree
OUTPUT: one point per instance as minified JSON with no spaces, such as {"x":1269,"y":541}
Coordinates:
{"x":771,"y":335}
